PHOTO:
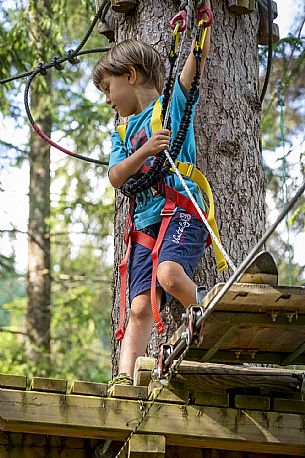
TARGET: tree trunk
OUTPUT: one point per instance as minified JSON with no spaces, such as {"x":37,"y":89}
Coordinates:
{"x":38,"y":316}
{"x":39,"y":288}
{"x":227,"y":126}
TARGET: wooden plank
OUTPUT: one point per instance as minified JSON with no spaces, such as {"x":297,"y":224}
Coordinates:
{"x":142,"y":370}
{"x":265,"y":297}
{"x":240,"y":356}
{"x":39,"y":452}
{"x":130,"y":392}
{"x":107,"y":418}
{"x":293,"y":356}
{"x":170,"y":394}
{"x":218,"y":378}
{"x":211,"y":399}
{"x":123,"y":6}
{"x":254,"y":337}
{"x":259,"y":318}
{"x":147,"y":445}
{"x":88,"y":388}
{"x":252,"y":402}
{"x":289,"y":405}
{"x":13,"y":381}
{"x":187,"y":452}
{"x":231,"y":330}
{"x":18,"y":445}
{"x":49,"y":384}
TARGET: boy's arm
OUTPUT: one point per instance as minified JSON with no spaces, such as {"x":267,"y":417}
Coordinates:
{"x":119,"y":173}
{"x":189,"y":69}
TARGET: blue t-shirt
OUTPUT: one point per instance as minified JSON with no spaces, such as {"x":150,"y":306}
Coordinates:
{"x":147,"y":206}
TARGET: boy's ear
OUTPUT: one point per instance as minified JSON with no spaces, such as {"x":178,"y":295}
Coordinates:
{"x":132,"y":75}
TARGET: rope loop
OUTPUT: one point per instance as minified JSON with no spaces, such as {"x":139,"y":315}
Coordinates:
{"x":71,"y":57}
{"x":57,"y":64}
{"x":42,"y":69}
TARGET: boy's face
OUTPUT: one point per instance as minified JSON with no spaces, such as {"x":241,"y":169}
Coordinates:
{"x":119,"y":94}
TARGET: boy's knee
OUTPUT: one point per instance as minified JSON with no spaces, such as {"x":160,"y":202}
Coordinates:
{"x":168,"y":275}
{"x":140,"y":307}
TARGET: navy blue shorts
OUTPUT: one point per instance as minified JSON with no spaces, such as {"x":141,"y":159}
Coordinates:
{"x":184,"y":243}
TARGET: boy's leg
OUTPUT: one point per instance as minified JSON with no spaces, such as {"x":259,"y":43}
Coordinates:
{"x":182,"y":249}
{"x":177,"y":283}
{"x":137,"y":332}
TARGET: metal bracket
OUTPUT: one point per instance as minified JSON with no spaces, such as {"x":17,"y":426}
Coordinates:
{"x":190,"y":319}
{"x":164,"y":353}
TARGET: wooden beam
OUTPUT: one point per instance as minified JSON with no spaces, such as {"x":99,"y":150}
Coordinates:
{"x":218,"y":344}
{"x":240,"y":356}
{"x":88,"y":388}
{"x":147,"y":445}
{"x":107,"y":418}
{"x":13,"y":381}
{"x":289,"y":359}
{"x":49,"y":384}
{"x":218,"y":378}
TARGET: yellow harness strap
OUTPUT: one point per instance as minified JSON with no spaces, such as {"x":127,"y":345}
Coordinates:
{"x":156,"y":123}
{"x":122,"y":131}
{"x":189,"y":171}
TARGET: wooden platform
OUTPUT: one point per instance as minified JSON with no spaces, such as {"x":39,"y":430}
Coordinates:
{"x":252,"y":323}
{"x":46,"y":418}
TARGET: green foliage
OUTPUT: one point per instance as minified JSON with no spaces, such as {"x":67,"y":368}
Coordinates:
{"x":80,"y":333}
{"x":282,"y":129}
{"x":82,"y":203}
{"x":286,"y":87}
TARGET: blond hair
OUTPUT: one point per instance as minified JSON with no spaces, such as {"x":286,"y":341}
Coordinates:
{"x":131,"y":53}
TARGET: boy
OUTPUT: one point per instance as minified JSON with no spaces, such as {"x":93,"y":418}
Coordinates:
{"x":131,"y":75}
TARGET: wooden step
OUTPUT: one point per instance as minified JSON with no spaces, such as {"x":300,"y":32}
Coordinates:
{"x":223,"y":378}
{"x":252,"y":323}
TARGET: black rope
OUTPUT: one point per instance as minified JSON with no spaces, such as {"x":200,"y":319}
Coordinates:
{"x":57,"y":63}
{"x":270,"y":40}
{"x":71,"y":55}
{"x":33,"y":123}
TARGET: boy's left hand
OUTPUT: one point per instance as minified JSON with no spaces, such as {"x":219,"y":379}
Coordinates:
{"x":158,"y":142}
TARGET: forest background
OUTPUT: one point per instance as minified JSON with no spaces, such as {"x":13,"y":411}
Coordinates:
{"x":81,"y":199}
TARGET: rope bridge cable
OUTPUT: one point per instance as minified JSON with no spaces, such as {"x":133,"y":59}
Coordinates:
{"x":253,"y":252}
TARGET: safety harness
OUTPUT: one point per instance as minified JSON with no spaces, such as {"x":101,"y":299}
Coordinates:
{"x":173,"y":198}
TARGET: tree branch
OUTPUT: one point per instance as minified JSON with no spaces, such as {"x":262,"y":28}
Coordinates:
{"x":13,"y":331}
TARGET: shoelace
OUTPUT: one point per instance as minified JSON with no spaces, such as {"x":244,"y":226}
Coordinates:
{"x":121,"y":379}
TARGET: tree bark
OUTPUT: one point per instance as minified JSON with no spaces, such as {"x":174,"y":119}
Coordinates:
{"x":39,"y":264}
{"x":227,"y":127}
{"x":38,"y":314}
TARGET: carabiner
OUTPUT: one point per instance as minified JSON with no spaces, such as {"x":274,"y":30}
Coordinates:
{"x":175,"y":42}
{"x":200,"y":38}
{"x":179,"y":18}
{"x":204,"y":10}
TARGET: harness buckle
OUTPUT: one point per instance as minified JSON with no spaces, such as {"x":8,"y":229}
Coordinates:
{"x":190,"y":171}
{"x":168,"y":211}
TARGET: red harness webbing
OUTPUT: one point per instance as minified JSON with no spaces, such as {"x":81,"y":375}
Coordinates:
{"x":173,"y":199}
